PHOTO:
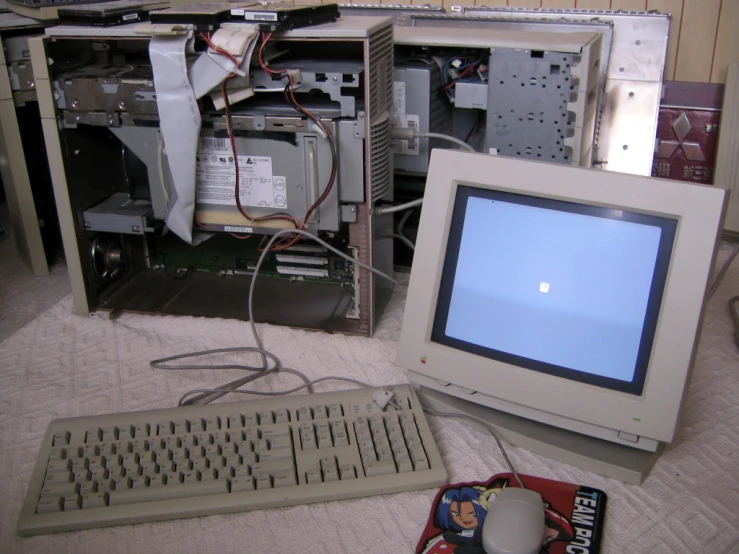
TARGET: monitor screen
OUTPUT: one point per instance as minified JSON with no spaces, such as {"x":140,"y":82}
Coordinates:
{"x":568,"y":289}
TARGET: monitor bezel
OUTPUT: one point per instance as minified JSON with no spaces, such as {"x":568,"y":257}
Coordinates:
{"x":667,"y":227}
{"x":699,"y":211}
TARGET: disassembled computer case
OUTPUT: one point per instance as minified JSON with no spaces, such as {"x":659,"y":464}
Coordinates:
{"x":113,"y":185}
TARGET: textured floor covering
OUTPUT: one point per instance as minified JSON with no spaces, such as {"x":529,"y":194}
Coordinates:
{"x":23,"y":297}
{"x":62,"y":365}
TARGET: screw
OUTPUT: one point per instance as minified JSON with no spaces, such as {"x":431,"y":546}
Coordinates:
{"x":335,"y":79}
{"x":352,"y":209}
{"x":631,"y":95}
{"x":638,"y":42}
{"x":626,"y":146}
{"x":121,"y":105}
{"x":361,"y":115}
{"x":300,"y":187}
{"x":75,"y":103}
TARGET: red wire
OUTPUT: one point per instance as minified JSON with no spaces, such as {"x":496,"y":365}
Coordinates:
{"x":232,"y":140}
{"x":463,"y":74}
{"x":285,"y":242}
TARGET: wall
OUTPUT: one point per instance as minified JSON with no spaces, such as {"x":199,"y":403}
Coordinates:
{"x":704,"y":36}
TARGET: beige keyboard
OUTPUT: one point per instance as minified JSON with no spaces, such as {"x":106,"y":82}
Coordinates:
{"x":227,"y":457}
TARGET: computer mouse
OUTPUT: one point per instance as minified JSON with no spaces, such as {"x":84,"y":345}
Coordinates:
{"x":514,"y":523}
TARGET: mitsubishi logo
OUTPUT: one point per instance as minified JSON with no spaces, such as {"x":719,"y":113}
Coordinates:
{"x":692,"y":150}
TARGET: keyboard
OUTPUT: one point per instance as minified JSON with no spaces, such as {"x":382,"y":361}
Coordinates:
{"x":226,"y":457}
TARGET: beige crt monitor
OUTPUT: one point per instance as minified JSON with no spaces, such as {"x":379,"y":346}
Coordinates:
{"x":561,"y":304}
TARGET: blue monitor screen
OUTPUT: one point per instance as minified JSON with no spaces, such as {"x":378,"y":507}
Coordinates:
{"x":567,"y":289}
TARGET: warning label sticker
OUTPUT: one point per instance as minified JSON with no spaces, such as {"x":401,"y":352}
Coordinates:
{"x":398,"y":97}
{"x":215,"y":178}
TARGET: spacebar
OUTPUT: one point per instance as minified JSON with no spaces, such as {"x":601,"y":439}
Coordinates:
{"x":133,"y":496}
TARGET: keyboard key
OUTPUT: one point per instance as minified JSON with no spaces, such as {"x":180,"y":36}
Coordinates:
{"x":94,"y":435}
{"x":96,"y":500}
{"x":110,"y":433}
{"x":167,"y":492}
{"x":49,"y":505}
{"x":266,"y":417}
{"x":58,"y":453}
{"x":282,"y":415}
{"x":165,"y":428}
{"x":275,"y":455}
{"x":284,"y":479}
{"x":212,"y":423}
{"x":313,"y":476}
{"x":347,"y":471}
{"x":319,"y":412}
{"x":125,"y":432}
{"x":263,"y":482}
{"x":141,"y":431}
{"x":72,"y":502}
{"x":242,"y":484}
{"x":59,"y":466}
{"x":329,"y":469}
{"x":403,"y":464}
{"x":61,"y":438}
{"x":59,"y":489}
{"x":280,"y":442}
{"x":379,"y":468}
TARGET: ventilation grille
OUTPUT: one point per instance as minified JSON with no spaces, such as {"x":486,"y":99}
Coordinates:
{"x":381,"y":72}
{"x":380,"y":157}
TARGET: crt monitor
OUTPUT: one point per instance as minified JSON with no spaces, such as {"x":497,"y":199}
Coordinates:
{"x":561,"y":304}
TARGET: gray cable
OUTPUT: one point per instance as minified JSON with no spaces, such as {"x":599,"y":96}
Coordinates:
{"x":206,"y":396}
{"x":401,"y":226}
{"x":722,"y":271}
{"x":260,"y":371}
{"x":490,"y":429}
{"x":448,"y":138}
{"x":278,"y":393}
{"x":402,"y":238}
{"x":399,"y":207}
{"x":264,"y":254}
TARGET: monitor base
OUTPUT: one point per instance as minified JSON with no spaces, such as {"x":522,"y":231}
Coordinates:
{"x":619,"y":462}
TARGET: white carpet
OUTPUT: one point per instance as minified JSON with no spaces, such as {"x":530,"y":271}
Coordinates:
{"x":62,"y":365}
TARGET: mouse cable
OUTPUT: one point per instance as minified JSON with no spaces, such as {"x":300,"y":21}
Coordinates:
{"x":490,"y":429}
{"x":205,"y":396}
{"x":307,"y":384}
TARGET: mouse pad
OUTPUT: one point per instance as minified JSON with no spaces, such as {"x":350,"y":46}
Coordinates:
{"x":574,"y":516}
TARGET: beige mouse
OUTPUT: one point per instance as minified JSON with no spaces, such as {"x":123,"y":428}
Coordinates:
{"x":514,"y":523}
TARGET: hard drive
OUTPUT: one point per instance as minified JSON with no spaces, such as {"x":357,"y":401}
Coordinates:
{"x":282,"y":16}
{"x":107,"y":14}
{"x":205,"y":16}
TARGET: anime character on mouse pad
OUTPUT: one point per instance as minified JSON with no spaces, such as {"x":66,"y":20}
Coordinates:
{"x":574,"y":516}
